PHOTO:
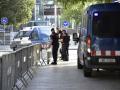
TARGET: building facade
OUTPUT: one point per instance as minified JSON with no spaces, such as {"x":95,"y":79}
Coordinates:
{"x":46,"y":10}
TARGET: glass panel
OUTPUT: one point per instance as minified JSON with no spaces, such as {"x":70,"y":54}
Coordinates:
{"x":106,"y":24}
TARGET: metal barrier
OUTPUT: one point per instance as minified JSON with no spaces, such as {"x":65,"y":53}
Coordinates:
{"x":36,"y":54}
{"x":7,"y":71}
{"x":15,"y":67}
{"x":45,"y":54}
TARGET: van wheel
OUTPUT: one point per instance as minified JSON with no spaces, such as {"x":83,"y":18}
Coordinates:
{"x":87,"y":71}
{"x":79,"y":66}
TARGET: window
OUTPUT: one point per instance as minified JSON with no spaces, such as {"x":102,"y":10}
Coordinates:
{"x":34,"y":35}
{"x":22,"y":34}
{"x":106,"y":24}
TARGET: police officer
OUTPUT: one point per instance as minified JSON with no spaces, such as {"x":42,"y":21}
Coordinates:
{"x":55,"y":45}
{"x":59,"y":32}
{"x":65,"y":38}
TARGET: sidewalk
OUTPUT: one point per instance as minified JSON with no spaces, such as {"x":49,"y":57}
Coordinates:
{"x":54,"y":77}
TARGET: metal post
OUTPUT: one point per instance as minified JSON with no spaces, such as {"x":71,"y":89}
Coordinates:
{"x":35,"y":11}
{"x":11,"y":35}
{"x":4,"y":33}
{"x":55,"y":14}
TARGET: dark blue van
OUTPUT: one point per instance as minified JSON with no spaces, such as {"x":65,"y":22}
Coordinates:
{"x":99,"y":38}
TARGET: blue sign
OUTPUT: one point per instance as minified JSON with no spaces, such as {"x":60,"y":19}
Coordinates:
{"x":4,"y":20}
{"x":65,"y":23}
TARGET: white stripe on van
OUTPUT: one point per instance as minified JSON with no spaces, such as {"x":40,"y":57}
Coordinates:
{"x":105,"y":53}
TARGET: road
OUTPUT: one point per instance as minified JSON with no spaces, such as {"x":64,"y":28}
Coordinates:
{"x":66,"y":76}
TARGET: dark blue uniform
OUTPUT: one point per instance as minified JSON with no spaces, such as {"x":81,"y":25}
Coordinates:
{"x":65,"y":46}
{"x":55,"y":45}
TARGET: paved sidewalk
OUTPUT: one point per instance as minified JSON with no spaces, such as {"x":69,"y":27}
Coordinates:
{"x":54,"y":77}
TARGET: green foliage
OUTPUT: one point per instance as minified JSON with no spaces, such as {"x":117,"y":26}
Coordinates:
{"x":83,"y":1}
{"x":17,"y":11}
{"x":72,"y":9}
{"x":73,"y":12}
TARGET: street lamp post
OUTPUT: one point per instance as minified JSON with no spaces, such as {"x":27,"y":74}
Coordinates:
{"x":35,"y":11}
{"x":55,"y":14}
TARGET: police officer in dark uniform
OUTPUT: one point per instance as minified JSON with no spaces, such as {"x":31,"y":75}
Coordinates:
{"x":65,"y":45}
{"x":55,"y":45}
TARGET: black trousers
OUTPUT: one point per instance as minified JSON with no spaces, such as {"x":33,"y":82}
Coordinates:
{"x":65,"y":51}
{"x":55,"y":52}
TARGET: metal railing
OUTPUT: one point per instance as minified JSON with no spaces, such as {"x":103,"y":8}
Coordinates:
{"x":16,"y":67}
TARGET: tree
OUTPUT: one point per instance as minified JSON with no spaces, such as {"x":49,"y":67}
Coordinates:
{"x":73,"y":13}
{"x":17,"y":11}
{"x":73,"y":9}
{"x":83,"y":1}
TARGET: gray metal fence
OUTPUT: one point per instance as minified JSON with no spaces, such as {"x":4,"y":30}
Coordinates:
{"x":16,"y":66}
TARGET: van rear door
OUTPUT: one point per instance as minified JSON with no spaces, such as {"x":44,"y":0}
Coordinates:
{"x":106,"y":31}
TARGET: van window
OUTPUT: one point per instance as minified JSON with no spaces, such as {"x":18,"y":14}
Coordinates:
{"x":106,"y":24}
{"x":27,"y":34}
{"x":22,"y":34}
{"x":34,"y":35}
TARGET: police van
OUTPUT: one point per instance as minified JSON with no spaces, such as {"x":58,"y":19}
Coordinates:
{"x":99,"y":38}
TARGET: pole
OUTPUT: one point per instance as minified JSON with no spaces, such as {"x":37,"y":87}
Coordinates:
{"x":11,"y":35}
{"x":4,"y":33}
{"x":35,"y":11}
{"x":55,"y":14}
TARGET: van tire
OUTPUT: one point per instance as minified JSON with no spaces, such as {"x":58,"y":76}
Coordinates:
{"x":87,"y":71}
{"x":79,"y":66}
